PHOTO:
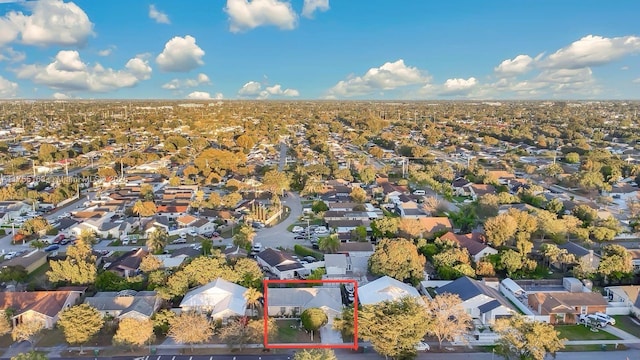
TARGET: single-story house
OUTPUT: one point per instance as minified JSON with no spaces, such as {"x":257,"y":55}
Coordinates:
{"x":128,"y":263}
{"x":385,"y":289}
{"x":433,"y":224}
{"x":472,"y":242}
{"x":293,"y":301}
{"x":566,"y":307}
{"x":126,"y":304}
{"x":234,"y":252}
{"x":481,"y":301}
{"x":221,"y":298}
{"x":279,"y":263}
{"x":30,"y":262}
{"x":587,"y":256}
{"x":41,"y":306}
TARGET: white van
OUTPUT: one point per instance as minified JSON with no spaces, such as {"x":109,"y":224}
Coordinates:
{"x":419,"y":192}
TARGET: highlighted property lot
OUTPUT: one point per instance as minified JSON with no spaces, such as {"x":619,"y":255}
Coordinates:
{"x":287,"y":299}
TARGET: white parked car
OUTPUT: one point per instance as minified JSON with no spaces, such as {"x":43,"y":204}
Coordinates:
{"x":297,"y":229}
{"x":606,"y":318}
{"x":422,"y":346}
{"x":193,"y":233}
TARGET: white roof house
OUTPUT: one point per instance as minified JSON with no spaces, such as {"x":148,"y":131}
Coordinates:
{"x":337,"y":264}
{"x":220,"y":297}
{"x":385,"y":289}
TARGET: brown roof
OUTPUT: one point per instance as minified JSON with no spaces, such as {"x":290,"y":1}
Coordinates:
{"x":482,"y":189}
{"x":186,"y":219}
{"x":552,"y":302}
{"x":472,"y":242}
{"x":432,"y":224}
{"x":49,"y":303}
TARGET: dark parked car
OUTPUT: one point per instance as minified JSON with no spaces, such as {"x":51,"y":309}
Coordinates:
{"x":53,"y":247}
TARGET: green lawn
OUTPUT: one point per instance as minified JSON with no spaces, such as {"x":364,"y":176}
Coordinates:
{"x":593,"y":347}
{"x":625,"y":323}
{"x":581,"y":332}
{"x":51,"y":337}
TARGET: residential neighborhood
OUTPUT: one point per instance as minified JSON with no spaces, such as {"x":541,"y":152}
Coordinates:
{"x":236,"y":240}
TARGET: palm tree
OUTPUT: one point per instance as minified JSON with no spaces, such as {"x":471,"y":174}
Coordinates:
{"x":157,"y":240}
{"x":252,"y":296}
{"x":329,"y":243}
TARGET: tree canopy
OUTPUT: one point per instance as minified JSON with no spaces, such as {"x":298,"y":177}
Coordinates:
{"x":525,"y":339}
{"x":399,"y":259}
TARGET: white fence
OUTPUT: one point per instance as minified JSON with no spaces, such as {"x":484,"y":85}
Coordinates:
{"x":618,"y":308}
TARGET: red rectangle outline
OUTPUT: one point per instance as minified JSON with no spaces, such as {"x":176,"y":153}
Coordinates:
{"x":353,"y":346}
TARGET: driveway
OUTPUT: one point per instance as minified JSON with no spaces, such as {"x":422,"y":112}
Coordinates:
{"x":619,"y":333}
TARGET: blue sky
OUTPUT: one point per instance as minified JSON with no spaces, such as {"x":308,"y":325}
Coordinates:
{"x":320,"y":49}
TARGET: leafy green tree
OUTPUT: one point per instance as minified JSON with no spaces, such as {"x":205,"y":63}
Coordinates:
{"x":313,"y":319}
{"x":616,"y":263}
{"x":572,"y":158}
{"x":399,"y":259}
{"x":524,"y":339}
{"x":276,"y":182}
{"x":315,"y":354}
{"x":79,"y":267}
{"x":367,"y":174}
{"x":31,"y":355}
{"x":238,"y":332}
{"x":5,"y":325}
{"x":244,"y":237}
{"x":500,"y":229}
{"x":511,"y":261}
{"x":393,"y":327}
{"x":157,"y":240}
{"x":447,"y":317}
{"x":162,"y":320}
{"x":585,"y":213}
{"x":319,"y":206}
{"x":190,"y":328}
{"x":358,"y":195}
{"x":150,"y":263}
{"x":134,"y":332}
{"x":329,"y":243}
{"x":555,"y":206}
{"x":13,"y":273}
{"x":385,"y":227}
{"x":252,"y":297}
{"x":144,"y":208}
{"x":359,"y":234}
{"x":80,"y":323}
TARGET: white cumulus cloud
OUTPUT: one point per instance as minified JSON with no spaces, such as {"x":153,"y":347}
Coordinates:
{"x":180,"y":54}
{"x":254,"y":89}
{"x":389,"y":76}
{"x":60,"y":96}
{"x":459,"y":86}
{"x":199,"y":95}
{"x":51,"y":22}
{"x":69,"y":73}
{"x":311,"y":6}
{"x":8,"y":89}
{"x":593,"y":50}
{"x":519,"y":65}
{"x":249,"y":14}
{"x":158,"y":16}
{"x":107,"y":51}
{"x":177,"y":84}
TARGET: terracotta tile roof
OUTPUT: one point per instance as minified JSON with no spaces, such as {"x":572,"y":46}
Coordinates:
{"x":433,"y":224}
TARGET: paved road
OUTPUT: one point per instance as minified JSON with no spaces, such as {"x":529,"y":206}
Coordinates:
{"x":278,"y":235}
{"x":283,"y":156}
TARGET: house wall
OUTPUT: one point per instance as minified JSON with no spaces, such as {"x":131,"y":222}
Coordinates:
{"x":35,"y":265}
{"x":486,"y":251}
{"x":46,"y":321}
{"x":286,"y":310}
{"x":471,"y":305}
{"x":490,"y":317}
{"x":209,"y":227}
{"x":336,"y":270}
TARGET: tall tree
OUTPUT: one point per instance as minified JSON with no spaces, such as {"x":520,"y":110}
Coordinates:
{"x":157,"y":240}
{"x":393,"y":327}
{"x":144,"y":208}
{"x":399,"y":259}
{"x":616,"y":263}
{"x":79,"y":267}
{"x":524,"y":339}
{"x":315,"y":354}
{"x":134,"y":332}
{"x":385,"y":227}
{"x":80,"y":323}
{"x":447,"y":317}
{"x":500,"y":229}
{"x":358,"y":195}
{"x":241,"y":331}
{"x":313,"y":319}
{"x":5,"y":325}
{"x":190,"y":328}
{"x":252,"y":297}
{"x":329,"y":243}
{"x":244,"y":237}
{"x":276,"y":182}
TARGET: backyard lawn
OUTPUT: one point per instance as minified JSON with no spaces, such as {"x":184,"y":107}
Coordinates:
{"x":581,"y":332}
{"x":288,"y":332}
{"x":626,"y":323}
